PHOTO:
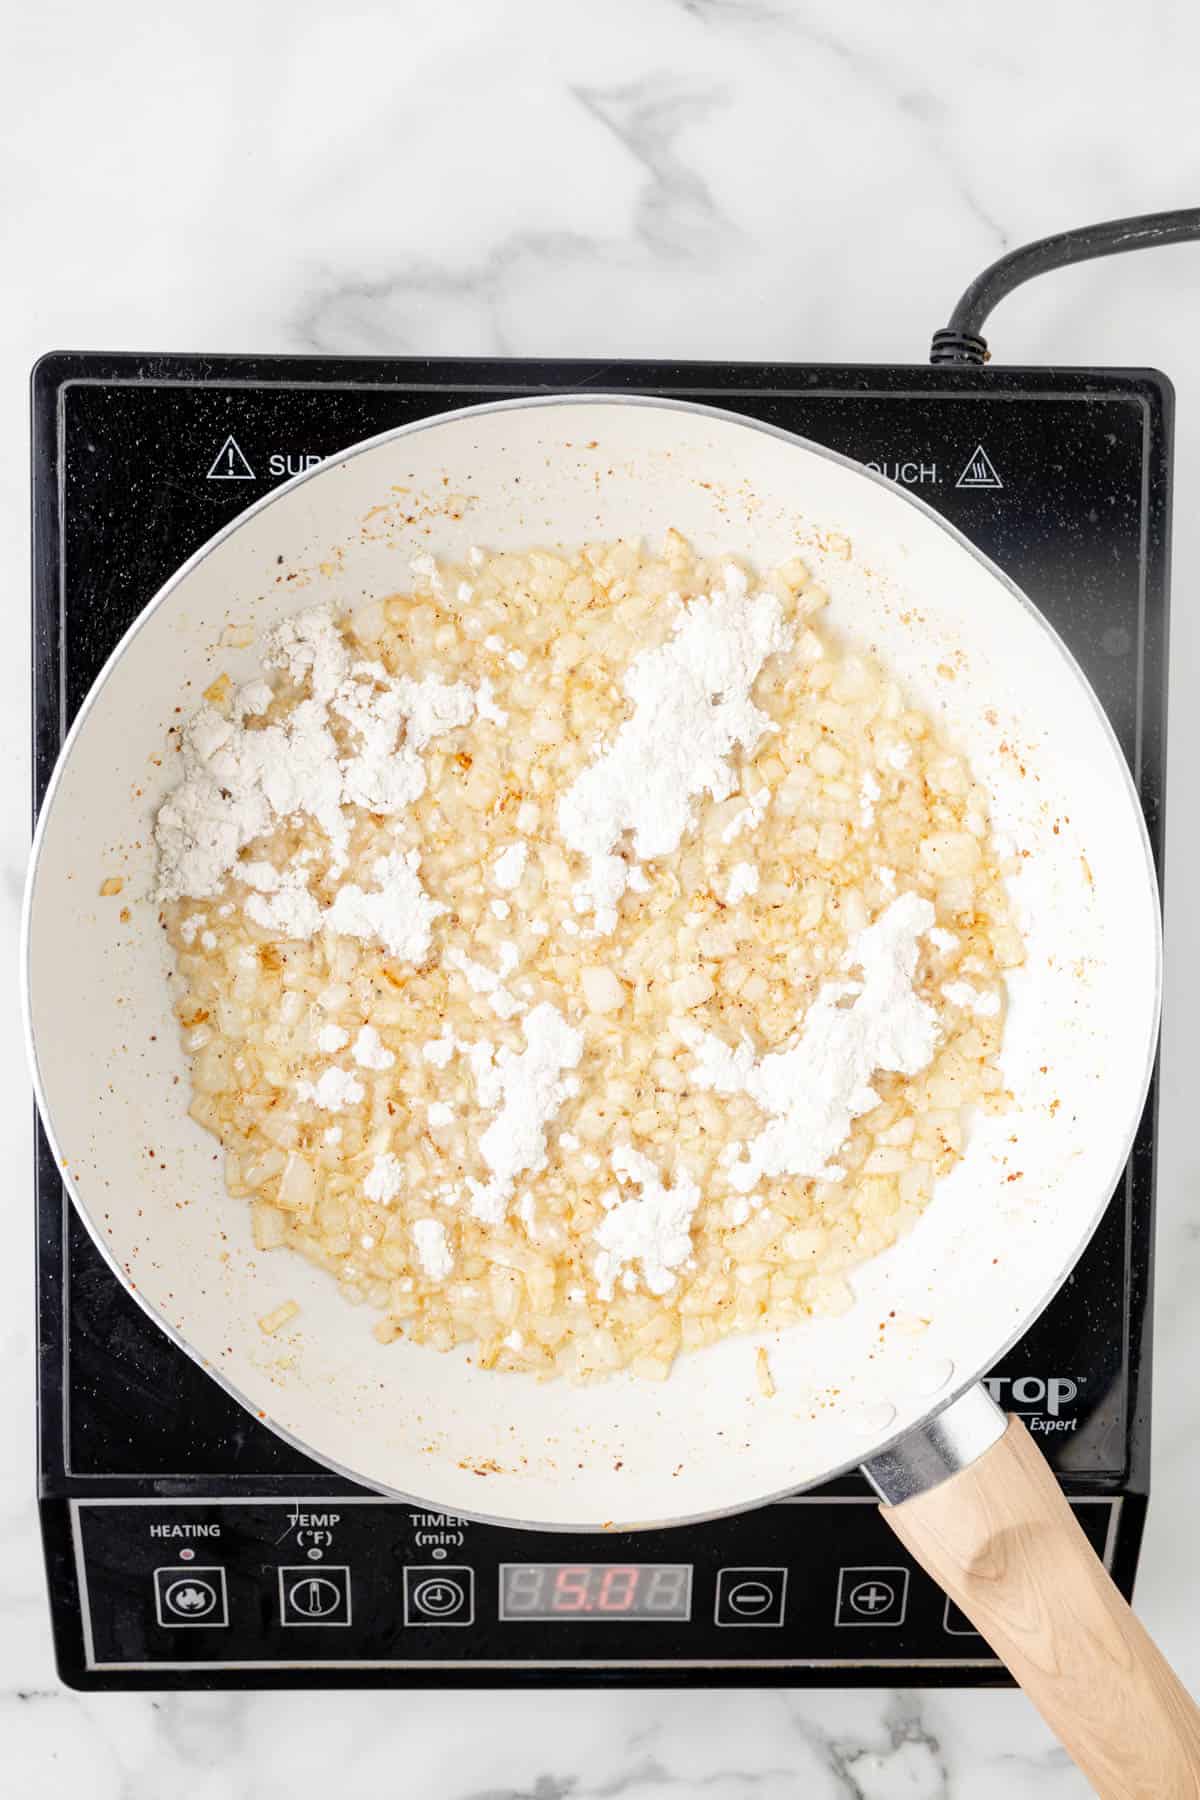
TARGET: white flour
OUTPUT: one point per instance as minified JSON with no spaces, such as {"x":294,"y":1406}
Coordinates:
{"x":439,"y":1050}
{"x":813,"y":1091}
{"x":398,"y":911}
{"x":509,"y":866}
{"x":868,"y":793}
{"x":369,"y":1052}
{"x":985,"y":1003}
{"x":203,"y":823}
{"x":743,"y":881}
{"x":290,"y":909}
{"x":431,"y":707}
{"x":435,"y":1254}
{"x":336,"y":1089}
{"x":384,"y":1179}
{"x":653,"y":1228}
{"x":528,"y":1088}
{"x":237,"y":784}
{"x":263,"y":876}
{"x":486,"y":706}
{"x":483,"y":980}
{"x":385,"y":774}
{"x":309,"y":643}
{"x":692,"y":708}
{"x":252,"y":699}
{"x":749,"y":818}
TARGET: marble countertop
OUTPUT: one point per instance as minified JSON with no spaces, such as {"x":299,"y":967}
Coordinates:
{"x":714,"y":178}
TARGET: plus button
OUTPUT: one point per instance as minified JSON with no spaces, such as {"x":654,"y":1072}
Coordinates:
{"x":872,"y":1596}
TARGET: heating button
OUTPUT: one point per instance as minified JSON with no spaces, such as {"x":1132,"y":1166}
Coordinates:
{"x":192,"y":1595}
{"x":750,"y":1596}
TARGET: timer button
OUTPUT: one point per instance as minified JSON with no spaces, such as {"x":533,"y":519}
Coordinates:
{"x":439,"y":1594}
{"x":750,"y":1596}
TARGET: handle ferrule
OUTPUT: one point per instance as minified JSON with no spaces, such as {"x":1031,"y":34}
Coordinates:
{"x":943,"y":1446}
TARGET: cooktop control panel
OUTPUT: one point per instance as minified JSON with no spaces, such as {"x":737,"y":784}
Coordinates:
{"x":357,"y":1583}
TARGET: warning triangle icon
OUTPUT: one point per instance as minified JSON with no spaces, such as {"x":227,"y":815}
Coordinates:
{"x":980,"y":471}
{"x":229,"y":464}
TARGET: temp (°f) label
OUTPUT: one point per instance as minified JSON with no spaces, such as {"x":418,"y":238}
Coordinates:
{"x":313,"y":1531}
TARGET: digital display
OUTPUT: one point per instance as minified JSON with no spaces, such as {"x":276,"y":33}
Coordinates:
{"x":595,"y":1590}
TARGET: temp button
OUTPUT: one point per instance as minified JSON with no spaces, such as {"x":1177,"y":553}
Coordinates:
{"x":439,"y":1594}
{"x":315,"y":1594}
{"x":750,"y":1596}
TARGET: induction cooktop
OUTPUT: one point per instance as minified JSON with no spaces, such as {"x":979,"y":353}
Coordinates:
{"x":186,"y":1545}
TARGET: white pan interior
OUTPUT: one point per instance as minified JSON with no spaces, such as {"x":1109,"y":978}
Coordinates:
{"x":1000,"y":1234}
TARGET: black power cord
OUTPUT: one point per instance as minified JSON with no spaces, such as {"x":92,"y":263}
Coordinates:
{"x":961,"y":341}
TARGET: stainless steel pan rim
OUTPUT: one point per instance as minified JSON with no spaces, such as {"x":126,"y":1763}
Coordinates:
{"x":1071,"y":669}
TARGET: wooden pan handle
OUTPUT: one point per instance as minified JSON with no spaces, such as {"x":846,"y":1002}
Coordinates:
{"x":1003,"y":1542}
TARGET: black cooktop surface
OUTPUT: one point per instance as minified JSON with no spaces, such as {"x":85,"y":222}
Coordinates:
{"x":1062,"y":476}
